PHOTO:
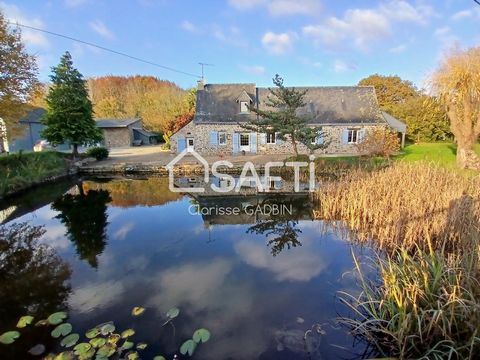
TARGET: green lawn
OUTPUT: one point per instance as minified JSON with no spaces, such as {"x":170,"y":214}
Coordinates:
{"x":441,"y":153}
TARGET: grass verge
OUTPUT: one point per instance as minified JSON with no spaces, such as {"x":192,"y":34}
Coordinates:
{"x":21,"y":170}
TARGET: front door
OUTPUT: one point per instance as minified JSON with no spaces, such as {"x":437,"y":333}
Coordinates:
{"x":245,"y":142}
{"x":190,"y":143}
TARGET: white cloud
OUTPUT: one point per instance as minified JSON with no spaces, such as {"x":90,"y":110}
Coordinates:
{"x":398,"y":49}
{"x":341,"y":66}
{"x":280,"y":7}
{"x":101,"y":29}
{"x":446,"y":37}
{"x":253,"y":69}
{"x":188,"y":26}
{"x":277,"y":43}
{"x":467,"y":14}
{"x":362,"y":27}
{"x":30,"y":37}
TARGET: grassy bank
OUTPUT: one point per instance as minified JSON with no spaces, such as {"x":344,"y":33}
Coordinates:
{"x":21,"y":170}
{"x":424,"y":220}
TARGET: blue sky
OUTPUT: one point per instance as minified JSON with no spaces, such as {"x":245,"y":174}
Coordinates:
{"x":308,"y":42}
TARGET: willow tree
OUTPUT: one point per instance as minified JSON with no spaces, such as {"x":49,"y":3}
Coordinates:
{"x":457,"y":84}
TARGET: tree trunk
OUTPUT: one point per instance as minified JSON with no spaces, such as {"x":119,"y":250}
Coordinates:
{"x":294,"y":143}
{"x":75,"y":151}
{"x":467,"y":159}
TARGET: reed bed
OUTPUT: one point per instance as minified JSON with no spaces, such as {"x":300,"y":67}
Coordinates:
{"x":404,"y":205}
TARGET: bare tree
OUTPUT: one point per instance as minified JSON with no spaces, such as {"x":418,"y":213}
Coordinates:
{"x":457,"y":83}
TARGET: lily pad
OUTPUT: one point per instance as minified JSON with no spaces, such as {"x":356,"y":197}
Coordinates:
{"x":107,"y":328}
{"x":188,"y":347}
{"x":61,"y":330}
{"x":57,"y":318}
{"x":87,"y":355}
{"x":66,"y":355}
{"x":94,"y":332}
{"x":113,"y":339}
{"x":24,"y":321}
{"x":82,"y":348}
{"x":106,"y":350}
{"x":173,"y":313}
{"x":70,"y":340}
{"x":127,"y":345}
{"x":137,"y":311}
{"x":133,"y":355}
{"x":127,"y":333}
{"x":201,"y":335}
{"x":159,"y":357}
{"x":97,"y":342}
{"x":9,"y":337}
{"x":37,"y":350}
{"x":141,"y":346}
{"x":43,"y":322}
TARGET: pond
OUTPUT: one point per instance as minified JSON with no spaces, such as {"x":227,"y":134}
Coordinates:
{"x":258,"y":280}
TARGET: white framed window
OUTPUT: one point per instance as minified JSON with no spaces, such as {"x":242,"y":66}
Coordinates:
{"x":244,"y":140}
{"x":222,"y":138}
{"x":271,"y":138}
{"x":244,"y":107}
{"x":353,"y":136}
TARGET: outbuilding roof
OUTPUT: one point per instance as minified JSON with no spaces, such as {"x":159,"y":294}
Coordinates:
{"x":217,"y":103}
{"x":115,"y":123}
{"x":394,"y":123}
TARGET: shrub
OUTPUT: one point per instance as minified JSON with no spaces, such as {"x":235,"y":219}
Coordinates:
{"x":98,"y":153}
{"x":379,"y":142}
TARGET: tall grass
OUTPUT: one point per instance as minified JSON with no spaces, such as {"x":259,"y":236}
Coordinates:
{"x":404,"y":204}
{"x":23,"y":169}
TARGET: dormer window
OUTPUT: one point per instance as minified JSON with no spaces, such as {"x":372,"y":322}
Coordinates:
{"x":244,"y":107}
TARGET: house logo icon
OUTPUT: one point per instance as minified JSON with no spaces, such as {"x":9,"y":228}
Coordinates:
{"x":171,"y":173}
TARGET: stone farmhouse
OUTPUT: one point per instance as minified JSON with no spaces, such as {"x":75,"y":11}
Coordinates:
{"x":344,"y":113}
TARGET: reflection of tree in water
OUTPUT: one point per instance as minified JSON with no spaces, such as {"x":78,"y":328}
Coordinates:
{"x":33,"y":280}
{"x":283,"y":227}
{"x":85,"y":218}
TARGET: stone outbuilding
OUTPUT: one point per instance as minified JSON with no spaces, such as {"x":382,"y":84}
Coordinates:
{"x":344,"y":113}
{"x":125,"y":132}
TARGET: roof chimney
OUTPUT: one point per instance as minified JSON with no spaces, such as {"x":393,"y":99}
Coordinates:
{"x":200,"y":85}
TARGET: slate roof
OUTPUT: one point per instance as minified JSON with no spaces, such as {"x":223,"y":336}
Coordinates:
{"x":34,"y":116}
{"x":115,"y":123}
{"x":394,"y":122}
{"x":325,"y":105}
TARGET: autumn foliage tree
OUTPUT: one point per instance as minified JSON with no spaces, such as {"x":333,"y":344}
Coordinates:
{"x":18,"y":75}
{"x":379,"y":142}
{"x":457,"y":83}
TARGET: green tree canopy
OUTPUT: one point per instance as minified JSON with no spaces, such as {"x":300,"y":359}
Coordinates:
{"x":18,"y":75}
{"x":69,"y":116}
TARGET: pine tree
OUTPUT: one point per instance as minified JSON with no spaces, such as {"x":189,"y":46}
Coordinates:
{"x":284,"y":120}
{"x":69,"y":116}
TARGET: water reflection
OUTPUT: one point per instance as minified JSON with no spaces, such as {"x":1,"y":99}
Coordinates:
{"x":33,"y":280}
{"x":85,"y":218}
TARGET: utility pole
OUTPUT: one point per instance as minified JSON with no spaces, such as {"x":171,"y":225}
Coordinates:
{"x":203,"y":65}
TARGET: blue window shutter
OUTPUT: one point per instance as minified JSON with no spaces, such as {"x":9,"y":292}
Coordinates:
{"x":213,"y":137}
{"x":320,"y":138}
{"x":345,"y":137}
{"x":181,"y":144}
{"x":263,"y":139}
{"x":361,"y":135}
{"x":253,"y":143}
{"x":236,"y":143}
{"x":278,"y":140}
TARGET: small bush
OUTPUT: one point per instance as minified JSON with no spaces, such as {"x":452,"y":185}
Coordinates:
{"x":98,"y":153}
{"x":379,"y":142}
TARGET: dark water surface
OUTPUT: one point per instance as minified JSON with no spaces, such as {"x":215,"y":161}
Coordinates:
{"x":258,"y":282}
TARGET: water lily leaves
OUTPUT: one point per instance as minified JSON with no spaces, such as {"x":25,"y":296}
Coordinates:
{"x":24,"y":321}
{"x":92,"y":333}
{"x":43,"y":322}
{"x":106,"y":350}
{"x":37,"y":350}
{"x":70,"y":340}
{"x":127,"y":333}
{"x":113,"y":339}
{"x":173,"y":313}
{"x":97,"y":342}
{"x":141,"y":346}
{"x":57,"y":318}
{"x":188,"y":347}
{"x":82,"y":349}
{"x":133,"y":355}
{"x":9,"y":337}
{"x":107,"y":328}
{"x":61,"y":330}
{"x":159,"y":357}
{"x":127,"y":345}
{"x":137,"y":311}
{"x":66,"y":355}
{"x":201,"y":335}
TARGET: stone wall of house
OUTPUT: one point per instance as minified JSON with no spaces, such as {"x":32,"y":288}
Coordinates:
{"x":201,"y":137}
{"x":117,"y":137}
